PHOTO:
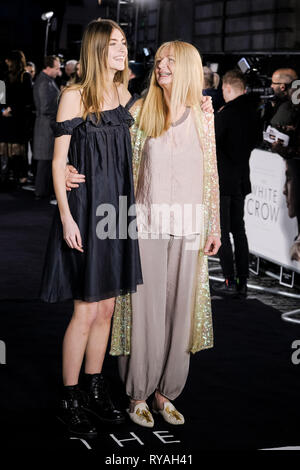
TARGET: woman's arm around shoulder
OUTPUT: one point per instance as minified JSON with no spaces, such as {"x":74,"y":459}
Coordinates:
{"x":69,"y":108}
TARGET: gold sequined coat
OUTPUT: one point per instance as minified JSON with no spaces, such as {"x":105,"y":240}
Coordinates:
{"x":201,"y":336}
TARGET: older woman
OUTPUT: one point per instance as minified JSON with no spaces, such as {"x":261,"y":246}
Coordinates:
{"x":176,"y":177}
{"x":176,"y":181}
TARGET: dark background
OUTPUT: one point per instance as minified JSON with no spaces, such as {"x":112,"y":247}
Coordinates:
{"x":242,"y":394}
{"x":223,"y":30}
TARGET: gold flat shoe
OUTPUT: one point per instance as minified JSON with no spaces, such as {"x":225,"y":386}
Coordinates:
{"x":170,"y":414}
{"x":141,"y":415}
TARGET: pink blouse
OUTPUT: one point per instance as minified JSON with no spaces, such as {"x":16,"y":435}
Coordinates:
{"x":170,"y":192}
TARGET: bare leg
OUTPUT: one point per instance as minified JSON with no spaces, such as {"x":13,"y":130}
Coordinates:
{"x":76,"y":338}
{"x":159,"y":400}
{"x":98,"y":337}
{"x":100,"y":402}
{"x":133,"y":403}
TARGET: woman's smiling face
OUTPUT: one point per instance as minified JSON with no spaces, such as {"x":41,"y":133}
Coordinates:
{"x":117,"y":51}
{"x":165,"y":67}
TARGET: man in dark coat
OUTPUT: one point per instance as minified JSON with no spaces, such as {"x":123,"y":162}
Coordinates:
{"x":45,"y":94}
{"x":237,"y":132}
{"x":284,"y":112}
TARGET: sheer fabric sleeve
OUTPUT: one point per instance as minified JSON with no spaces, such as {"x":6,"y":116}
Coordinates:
{"x":214,"y":204}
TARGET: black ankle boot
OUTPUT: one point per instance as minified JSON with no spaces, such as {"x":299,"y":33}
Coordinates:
{"x":99,"y":401}
{"x":72,"y":414}
{"x":242,"y":288}
{"x":228,"y":288}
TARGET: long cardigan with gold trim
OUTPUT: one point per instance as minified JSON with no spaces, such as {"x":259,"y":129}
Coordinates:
{"x":201,"y":336}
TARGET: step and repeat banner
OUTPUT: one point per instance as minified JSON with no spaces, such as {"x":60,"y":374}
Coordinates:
{"x":272,"y":210}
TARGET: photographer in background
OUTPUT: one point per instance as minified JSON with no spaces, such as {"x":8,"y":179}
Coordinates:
{"x":237,"y":132}
{"x":284,"y":113}
{"x":291,"y":155}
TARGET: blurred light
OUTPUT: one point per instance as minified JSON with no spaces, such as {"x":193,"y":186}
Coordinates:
{"x":244,"y":65}
{"x":47,"y":16}
{"x":214,"y":66}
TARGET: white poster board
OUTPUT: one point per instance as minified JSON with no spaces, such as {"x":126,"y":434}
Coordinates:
{"x":270,"y":230}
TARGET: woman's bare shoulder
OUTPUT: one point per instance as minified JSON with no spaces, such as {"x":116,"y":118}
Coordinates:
{"x":69,"y":105}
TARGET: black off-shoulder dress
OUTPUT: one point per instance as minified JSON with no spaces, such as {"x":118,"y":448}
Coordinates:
{"x":110,"y":264}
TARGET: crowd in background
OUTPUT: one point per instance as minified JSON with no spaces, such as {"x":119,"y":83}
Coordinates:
{"x":28,"y":113}
{"x":27,"y":140}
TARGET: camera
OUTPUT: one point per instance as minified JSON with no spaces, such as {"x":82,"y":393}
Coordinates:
{"x":257,"y":83}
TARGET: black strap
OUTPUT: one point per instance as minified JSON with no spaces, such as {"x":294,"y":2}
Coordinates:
{"x":132,"y":100}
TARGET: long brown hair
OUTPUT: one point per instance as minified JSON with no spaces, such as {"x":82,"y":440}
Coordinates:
{"x":18,"y":65}
{"x":186,"y":89}
{"x":93,"y":65}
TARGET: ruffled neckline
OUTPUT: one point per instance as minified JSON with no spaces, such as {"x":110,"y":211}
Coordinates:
{"x":115,"y":116}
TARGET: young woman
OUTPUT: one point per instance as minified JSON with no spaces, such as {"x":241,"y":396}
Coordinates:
{"x":92,"y":131}
{"x":174,"y":163}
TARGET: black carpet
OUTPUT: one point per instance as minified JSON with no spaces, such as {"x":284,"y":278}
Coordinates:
{"x":242,"y":394}
{"x":24,"y":227}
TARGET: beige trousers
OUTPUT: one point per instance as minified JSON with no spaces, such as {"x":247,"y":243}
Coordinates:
{"x":161,"y":320}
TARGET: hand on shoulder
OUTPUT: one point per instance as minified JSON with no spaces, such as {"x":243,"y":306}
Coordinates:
{"x":69,"y":105}
{"x":206,"y":105}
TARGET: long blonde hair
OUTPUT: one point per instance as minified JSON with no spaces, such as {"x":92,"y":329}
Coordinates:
{"x":93,"y":65}
{"x":186,"y":89}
